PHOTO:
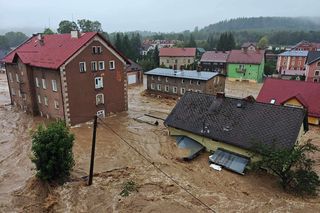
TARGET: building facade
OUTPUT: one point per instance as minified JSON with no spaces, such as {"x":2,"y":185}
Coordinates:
{"x":246,"y":65}
{"x":306,"y":46}
{"x":134,"y":73}
{"x":292,"y":63}
{"x":168,"y":82}
{"x":313,"y":67}
{"x":177,"y":58}
{"x":67,"y":76}
{"x":215,"y":61}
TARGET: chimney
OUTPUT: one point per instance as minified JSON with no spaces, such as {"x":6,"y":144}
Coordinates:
{"x":220,"y":95}
{"x":75,"y":34}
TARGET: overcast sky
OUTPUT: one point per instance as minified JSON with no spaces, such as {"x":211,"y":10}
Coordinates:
{"x":153,"y":15}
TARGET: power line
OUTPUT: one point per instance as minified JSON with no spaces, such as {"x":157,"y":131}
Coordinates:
{"x":155,"y":166}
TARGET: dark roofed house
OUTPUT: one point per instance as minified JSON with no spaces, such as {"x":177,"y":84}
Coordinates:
{"x":134,"y":73}
{"x":313,"y":67}
{"x":246,"y":65}
{"x":235,"y":125}
{"x":214,"y":61}
{"x":293,"y":93}
{"x":169,"y":82}
{"x":251,"y":46}
{"x":67,"y":76}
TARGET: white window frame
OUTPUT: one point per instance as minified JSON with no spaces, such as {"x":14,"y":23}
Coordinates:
{"x":167,"y":80}
{"x":56,"y":104}
{"x":94,"y":66}
{"x":45,"y":98}
{"x":101,"y":113}
{"x":37,"y":82}
{"x":159,"y":87}
{"x":98,"y":82}
{"x":44,"y":83}
{"x":17,"y":78}
{"x":191,"y":82}
{"x":198,"y":83}
{"x":39,"y":99}
{"x":153,"y":86}
{"x":13,"y":92}
{"x":98,"y":101}
{"x":182,"y":81}
{"x":182,"y":90}
{"x":82,"y":66}
{"x":112,"y":65}
{"x":99,"y":50}
{"x":101,"y":67}
{"x":19,"y":93}
{"x":54,"y":85}
{"x":159,"y":78}
{"x":166,"y":88}
{"x":174,"y":89}
{"x":315,"y":73}
{"x":10,"y":77}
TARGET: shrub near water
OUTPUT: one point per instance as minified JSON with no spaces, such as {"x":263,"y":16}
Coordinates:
{"x":52,"y":151}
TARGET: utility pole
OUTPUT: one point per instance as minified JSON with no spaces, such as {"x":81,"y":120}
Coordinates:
{"x":93,"y":149}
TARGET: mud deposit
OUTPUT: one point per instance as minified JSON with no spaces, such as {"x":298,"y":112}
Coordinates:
{"x":117,"y":163}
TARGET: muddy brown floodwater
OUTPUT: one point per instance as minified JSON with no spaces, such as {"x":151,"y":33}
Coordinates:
{"x":117,"y":163}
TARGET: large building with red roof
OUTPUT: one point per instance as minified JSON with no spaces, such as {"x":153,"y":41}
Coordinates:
{"x":67,"y":76}
{"x":246,"y":65}
{"x":178,"y":58}
{"x":293,"y":94}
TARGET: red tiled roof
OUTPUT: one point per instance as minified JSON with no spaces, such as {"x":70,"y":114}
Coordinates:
{"x":56,"y":49}
{"x":215,"y":56}
{"x":307,"y":93}
{"x":248,"y":57}
{"x":178,"y":52}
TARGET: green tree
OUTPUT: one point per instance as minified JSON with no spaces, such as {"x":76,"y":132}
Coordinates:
{"x":292,"y":166}
{"x":192,"y":42}
{"x":263,"y":42}
{"x":48,"y":31}
{"x":86,"y":25}
{"x":226,"y":42}
{"x":15,"y":38}
{"x":4,"y":43}
{"x":118,"y":42}
{"x":156,"y":59}
{"x":270,"y":67}
{"x":52,"y":152}
{"x":66,"y":26}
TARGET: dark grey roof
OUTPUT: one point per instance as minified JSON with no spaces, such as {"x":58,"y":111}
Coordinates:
{"x":189,"y":74}
{"x":133,"y":66}
{"x":243,"y":126}
{"x":313,"y":56}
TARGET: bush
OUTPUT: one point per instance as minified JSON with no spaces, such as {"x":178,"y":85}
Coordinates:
{"x":52,"y":152}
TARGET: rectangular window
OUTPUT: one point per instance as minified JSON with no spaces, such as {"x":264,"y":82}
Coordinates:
{"x":56,"y":104}
{"x":159,"y":78}
{"x":174,"y":89}
{"x":189,"y":61}
{"x":168,"y":61}
{"x":152,"y":78}
{"x":39,"y":99}
{"x":45,"y":100}
{"x":101,"y":65}
{"x":94,"y":66}
{"x":44,"y":84}
{"x":166,"y":88}
{"x":153,"y":86}
{"x":198,"y":82}
{"x":182,"y":91}
{"x":112,"y":65}
{"x":17,"y":78}
{"x":191,"y":82}
{"x":19,"y":93}
{"x":54,"y":85}
{"x":182,"y":81}
{"x":37,"y":82}
{"x":99,"y":99}
{"x":96,"y":49}
{"x":98,"y":82}
{"x":167,"y":79}
{"x":10,"y":77}
{"x":159,"y":87}
{"x":83,"y":67}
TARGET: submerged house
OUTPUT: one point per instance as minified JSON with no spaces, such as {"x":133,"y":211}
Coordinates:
{"x":298,"y":94}
{"x":235,"y":125}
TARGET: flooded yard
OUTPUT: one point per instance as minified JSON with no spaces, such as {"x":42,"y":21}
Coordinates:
{"x":128,"y":150}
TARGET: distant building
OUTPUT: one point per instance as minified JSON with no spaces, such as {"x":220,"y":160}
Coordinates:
{"x":67,"y":76}
{"x":306,"y":46}
{"x":291,"y":63}
{"x":313,"y":67}
{"x":214,"y":61}
{"x":251,"y":46}
{"x":134,"y":73}
{"x":178,"y":58}
{"x":246,"y":64}
{"x":149,"y":45}
{"x":235,"y":126}
{"x":169,"y":82}
{"x":297,"y":94}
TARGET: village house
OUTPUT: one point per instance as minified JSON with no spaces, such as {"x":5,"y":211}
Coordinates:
{"x":298,"y":94}
{"x":215,"y":61}
{"x":313,"y":67}
{"x":149,"y":45}
{"x":169,"y":82}
{"x":67,"y":76}
{"x":134,"y":73}
{"x":246,"y":64}
{"x":291,"y":63}
{"x":251,"y":46}
{"x":306,"y":46}
{"x":235,"y":126}
{"x":177,"y":58}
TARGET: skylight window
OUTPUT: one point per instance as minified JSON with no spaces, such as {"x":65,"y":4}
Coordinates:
{"x":273,"y":101}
